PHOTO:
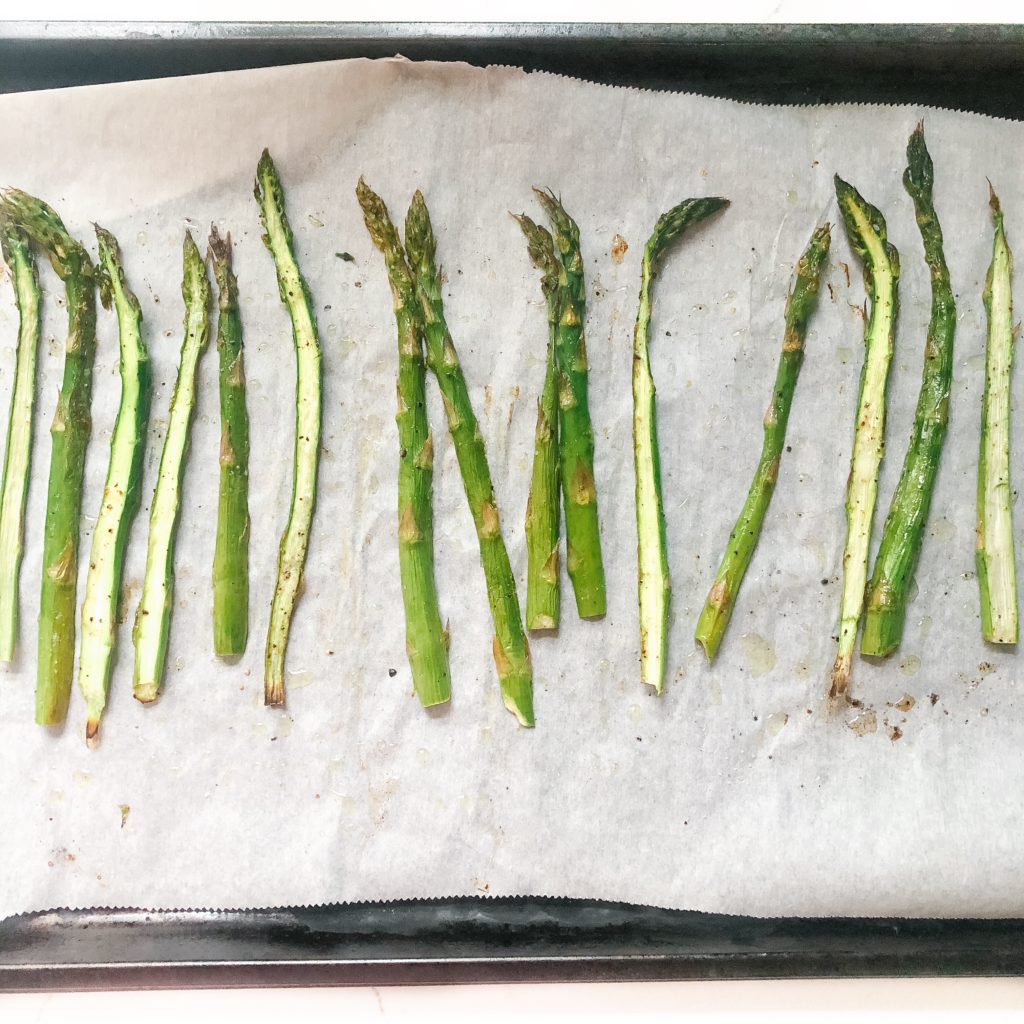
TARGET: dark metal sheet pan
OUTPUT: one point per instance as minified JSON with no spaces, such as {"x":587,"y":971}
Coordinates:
{"x":978,"y":68}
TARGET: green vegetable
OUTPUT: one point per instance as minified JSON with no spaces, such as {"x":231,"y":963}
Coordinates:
{"x":17,"y":255}
{"x":511,"y":650}
{"x":69,"y":433}
{"x":543,"y":598}
{"x":653,"y":586}
{"x":994,"y":554}
{"x":802,"y":299}
{"x":231,"y":554}
{"x":308,"y":397}
{"x":153,"y":618}
{"x":886,"y":605}
{"x":426,"y":642}
{"x":575,"y":431}
{"x":865,"y":228}
{"x":121,"y":492}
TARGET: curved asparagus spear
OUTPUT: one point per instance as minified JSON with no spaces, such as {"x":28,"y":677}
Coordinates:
{"x":865,"y":228}
{"x":295,"y":539}
{"x":886,"y":605}
{"x":426,"y":643}
{"x":14,"y":246}
{"x":543,"y":599}
{"x":121,"y":492}
{"x":511,"y":650}
{"x":231,"y":553}
{"x":575,"y":431}
{"x":69,"y":433}
{"x":653,"y":586}
{"x":153,"y":618}
{"x":994,"y":554}
{"x":803,"y":298}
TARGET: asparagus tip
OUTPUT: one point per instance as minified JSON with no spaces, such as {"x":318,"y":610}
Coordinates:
{"x":220,"y":246}
{"x":146,"y":693}
{"x":839,"y":682}
{"x":993,"y":200}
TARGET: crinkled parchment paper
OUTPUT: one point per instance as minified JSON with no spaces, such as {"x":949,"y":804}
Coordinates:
{"x":729,"y":793}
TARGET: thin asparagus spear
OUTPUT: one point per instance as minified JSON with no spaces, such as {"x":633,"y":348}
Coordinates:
{"x":510,"y":647}
{"x":803,"y":298}
{"x":886,"y":604}
{"x":69,"y":432}
{"x":865,"y":228}
{"x":153,"y":618}
{"x":543,"y":598}
{"x":295,"y":539}
{"x":653,"y":586}
{"x":575,"y":431}
{"x":231,"y":553}
{"x":121,"y":492}
{"x":17,"y":255}
{"x":426,"y":642}
{"x":994,"y":554}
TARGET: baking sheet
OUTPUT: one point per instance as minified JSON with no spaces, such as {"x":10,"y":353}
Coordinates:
{"x":731,"y":792}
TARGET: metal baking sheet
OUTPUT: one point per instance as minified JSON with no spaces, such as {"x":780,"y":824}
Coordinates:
{"x":976,"y":68}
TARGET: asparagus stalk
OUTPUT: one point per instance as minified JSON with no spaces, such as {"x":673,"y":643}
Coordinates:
{"x":153,"y":618}
{"x":575,"y":431}
{"x":865,"y":228}
{"x":121,"y":492}
{"x":653,"y":586}
{"x":17,"y":255}
{"x":714,"y":619}
{"x":69,"y":432}
{"x":543,"y":599}
{"x":997,"y":574}
{"x":510,"y":647}
{"x":426,"y":642}
{"x":295,"y":539}
{"x":231,"y":553}
{"x":886,"y":605}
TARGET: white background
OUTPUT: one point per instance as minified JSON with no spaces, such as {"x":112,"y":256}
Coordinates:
{"x":988,"y":999}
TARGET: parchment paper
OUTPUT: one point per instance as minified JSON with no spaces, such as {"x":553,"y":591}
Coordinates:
{"x":731,"y":792}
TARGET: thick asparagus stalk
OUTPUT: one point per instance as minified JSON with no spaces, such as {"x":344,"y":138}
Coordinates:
{"x":803,"y":298}
{"x":295,"y":539}
{"x":17,"y":255}
{"x":231,"y":553}
{"x":653,"y":586}
{"x":121,"y":492}
{"x":865,"y":228}
{"x":426,"y":642}
{"x":69,"y":432}
{"x":511,"y":650}
{"x":994,"y":554}
{"x":543,"y":598}
{"x":153,"y":618}
{"x":886,"y":605}
{"x":575,"y":431}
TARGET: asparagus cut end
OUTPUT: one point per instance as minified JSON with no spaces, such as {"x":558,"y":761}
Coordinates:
{"x":146,"y":692}
{"x":839,"y":681}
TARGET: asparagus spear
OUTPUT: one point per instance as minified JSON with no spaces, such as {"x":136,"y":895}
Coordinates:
{"x":803,"y":298}
{"x":511,"y":650}
{"x":121,"y":492}
{"x":17,"y":255}
{"x":294,"y":541}
{"x":886,"y":605}
{"x":865,"y":228}
{"x":231,"y":553}
{"x":426,"y":642}
{"x":997,"y":574}
{"x":543,"y":599}
{"x":575,"y":431}
{"x":69,"y":432}
{"x":653,"y":586}
{"x":153,"y":618}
